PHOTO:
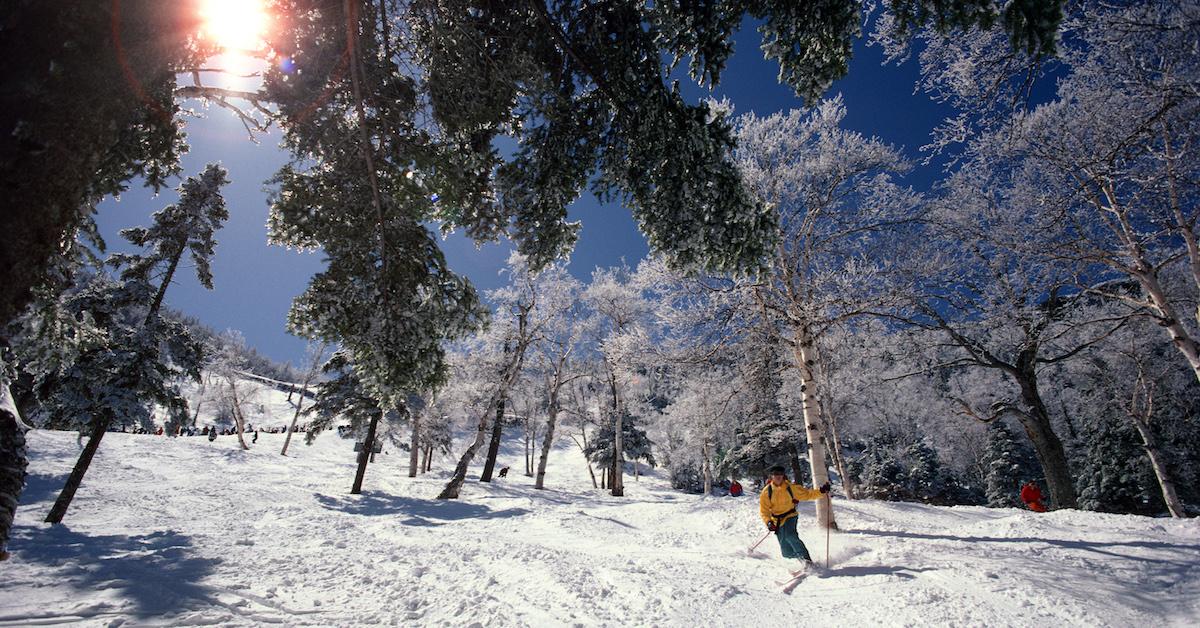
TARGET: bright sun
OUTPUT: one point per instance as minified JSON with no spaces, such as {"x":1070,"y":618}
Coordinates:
{"x":235,"y":24}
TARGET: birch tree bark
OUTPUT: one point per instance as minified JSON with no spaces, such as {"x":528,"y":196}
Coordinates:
{"x":806,"y":358}
{"x":1140,"y":410}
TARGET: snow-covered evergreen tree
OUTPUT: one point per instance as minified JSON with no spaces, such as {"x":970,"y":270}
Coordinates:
{"x":763,"y":435}
{"x":1113,"y":475}
{"x":1008,"y":466}
{"x":113,"y":356}
{"x":878,"y":473}
{"x":341,"y":398}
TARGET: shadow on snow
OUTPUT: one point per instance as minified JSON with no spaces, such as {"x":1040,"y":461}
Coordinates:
{"x":157,"y":572}
{"x":417,"y":512}
{"x":39,"y":488}
{"x":1099,"y":547}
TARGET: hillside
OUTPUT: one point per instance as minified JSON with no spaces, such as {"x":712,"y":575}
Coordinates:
{"x":185,"y":532}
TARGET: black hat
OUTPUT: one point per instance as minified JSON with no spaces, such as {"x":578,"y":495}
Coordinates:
{"x":776,"y":470}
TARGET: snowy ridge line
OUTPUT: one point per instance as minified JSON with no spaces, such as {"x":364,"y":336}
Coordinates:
{"x":281,"y":386}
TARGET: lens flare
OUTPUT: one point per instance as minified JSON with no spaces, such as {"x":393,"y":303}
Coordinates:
{"x":235,"y":24}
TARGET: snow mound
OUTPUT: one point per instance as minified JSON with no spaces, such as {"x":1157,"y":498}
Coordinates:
{"x":187,"y":532}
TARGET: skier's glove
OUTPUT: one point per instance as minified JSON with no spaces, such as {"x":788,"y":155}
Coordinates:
{"x":772,"y":526}
{"x":824,"y":488}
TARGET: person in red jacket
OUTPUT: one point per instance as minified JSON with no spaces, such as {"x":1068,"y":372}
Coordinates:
{"x":735,"y":489}
{"x":1032,"y":496}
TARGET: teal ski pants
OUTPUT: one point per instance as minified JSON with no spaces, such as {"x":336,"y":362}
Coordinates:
{"x":789,"y":541}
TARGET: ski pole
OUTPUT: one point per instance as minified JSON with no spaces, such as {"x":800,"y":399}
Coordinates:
{"x":828,"y":526}
{"x":764,"y":537}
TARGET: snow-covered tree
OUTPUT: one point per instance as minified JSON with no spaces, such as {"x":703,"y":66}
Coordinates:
{"x":341,"y":397}
{"x":619,"y":310}
{"x":315,"y":358}
{"x":1004,"y":308}
{"x":232,"y":390}
{"x":1008,"y":466}
{"x":360,"y":186}
{"x":552,"y":363}
{"x":763,"y":434}
{"x":1102,"y":164}
{"x":499,"y":355}
{"x":13,"y":460}
{"x":113,"y":356}
{"x":835,"y":198}
{"x":1131,"y":384}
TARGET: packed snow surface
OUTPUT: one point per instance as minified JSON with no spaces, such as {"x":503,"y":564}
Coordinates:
{"x":181,"y":531}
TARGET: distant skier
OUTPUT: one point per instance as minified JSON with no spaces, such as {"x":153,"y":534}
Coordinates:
{"x":504,"y":472}
{"x":777,"y":506}
{"x":212,"y":434}
{"x":735,"y":489}
{"x":1032,"y":496}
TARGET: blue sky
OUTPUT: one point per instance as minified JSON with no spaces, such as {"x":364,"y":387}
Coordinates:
{"x":254,"y":282}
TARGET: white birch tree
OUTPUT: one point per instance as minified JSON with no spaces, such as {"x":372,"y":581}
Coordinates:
{"x":835,"y":198}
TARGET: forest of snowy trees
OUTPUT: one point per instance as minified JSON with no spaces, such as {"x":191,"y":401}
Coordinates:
{"x":1034,"y":315}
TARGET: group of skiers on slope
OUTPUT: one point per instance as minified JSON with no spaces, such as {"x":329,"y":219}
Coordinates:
{"x":777,"y":507}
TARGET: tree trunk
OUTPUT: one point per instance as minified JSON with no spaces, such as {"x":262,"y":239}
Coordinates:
{"x":13,"y":461}
{"x":797,"y":470}
{"x":847,"y":483}
{"x":414,"y":454}
{"x":238,"y":420}
{"x":1165,"y":482}
{"x":548,"y":441}
{"x":616,"y":481}
{"x":428,"y":459}
{"x":292,"y":427}
{"x":81,"y":466}
{"x":489,"y":465}
{"x":1046,"y":444}
{"x":806,"y":355}
{"x":308,"y":377}
{"x":591,"y":472}
{"x":706,"y":468}
{"x":526,"y":449}
{"x":454,"y":486}
{"x":156,"y":305}
{"x":1145,"y":273}
{"x":365,"y":454}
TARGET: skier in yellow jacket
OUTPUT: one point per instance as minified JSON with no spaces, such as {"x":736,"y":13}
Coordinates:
{"x":777,"y":506}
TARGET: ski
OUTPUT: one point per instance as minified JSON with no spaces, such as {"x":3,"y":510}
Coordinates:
{"x":791,"y":583}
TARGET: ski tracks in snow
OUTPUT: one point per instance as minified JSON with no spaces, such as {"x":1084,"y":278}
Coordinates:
{"x":186,"y":532}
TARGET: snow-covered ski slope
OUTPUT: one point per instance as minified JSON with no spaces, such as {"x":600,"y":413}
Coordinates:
{"x":187,"y":532}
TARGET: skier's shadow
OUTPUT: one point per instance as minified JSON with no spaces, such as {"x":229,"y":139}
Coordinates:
{"x":416,"y":512}
{"x":905,"y":573}
{"x":1104,"y":548}
{"x":156,"y":572}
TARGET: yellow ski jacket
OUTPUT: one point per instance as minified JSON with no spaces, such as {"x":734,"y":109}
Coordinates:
{"x":778,"y":504}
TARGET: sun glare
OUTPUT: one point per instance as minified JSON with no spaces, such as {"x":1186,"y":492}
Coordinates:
{"x":235,"y":24}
